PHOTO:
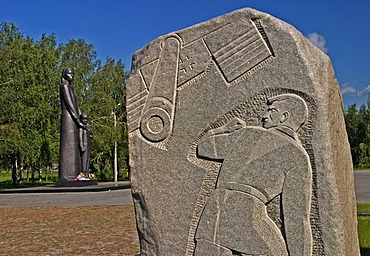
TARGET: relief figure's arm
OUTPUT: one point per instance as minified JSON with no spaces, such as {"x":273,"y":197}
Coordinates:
{"x":218,"y":142}
{"x":296,"y":204}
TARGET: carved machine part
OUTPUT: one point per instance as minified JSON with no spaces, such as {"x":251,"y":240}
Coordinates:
{"x":180,"y":65}
{"x":158,"y":114}
{"x":135,"y":106}
{"x":156,"y":121}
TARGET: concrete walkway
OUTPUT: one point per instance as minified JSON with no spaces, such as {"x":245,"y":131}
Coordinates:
{"x":105,"y":193}
{"x":71,"y":199}
{"x":102,"y":186}
{"x":362,"y":186}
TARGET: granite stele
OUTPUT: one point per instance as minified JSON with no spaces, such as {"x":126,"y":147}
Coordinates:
{"x":238,"y":144}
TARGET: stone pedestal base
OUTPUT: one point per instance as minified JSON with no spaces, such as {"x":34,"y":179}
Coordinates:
{"x":75,"y":183}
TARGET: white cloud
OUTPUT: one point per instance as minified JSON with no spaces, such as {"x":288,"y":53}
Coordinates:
{"x":367,"y":90}
{"x":318,"y":40}
{"x":349,"y":89}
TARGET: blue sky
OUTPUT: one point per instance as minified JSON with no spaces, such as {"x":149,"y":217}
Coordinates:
{"x":117,"y":28}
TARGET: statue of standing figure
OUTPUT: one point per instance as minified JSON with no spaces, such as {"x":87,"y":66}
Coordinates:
{"x":85,"y":136}
{"x":70,"y":152}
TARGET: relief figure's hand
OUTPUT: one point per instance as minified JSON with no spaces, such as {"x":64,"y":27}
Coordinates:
{"x":234,"y":125}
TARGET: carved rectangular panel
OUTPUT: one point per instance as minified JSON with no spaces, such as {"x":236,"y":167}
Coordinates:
{"x":240,"y":52}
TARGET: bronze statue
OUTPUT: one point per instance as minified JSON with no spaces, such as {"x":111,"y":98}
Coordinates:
{"x":69,"y":154}
{"x":85,"y":136}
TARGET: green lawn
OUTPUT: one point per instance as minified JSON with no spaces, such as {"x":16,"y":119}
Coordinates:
{"x":364,"y":229}
{"x":48,"y":179}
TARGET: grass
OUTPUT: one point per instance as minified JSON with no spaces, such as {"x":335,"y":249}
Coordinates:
{"x":364,"y":229}
{"x":361,"y":168}
{"x":48,"y":179}
{"x":363,"y":207}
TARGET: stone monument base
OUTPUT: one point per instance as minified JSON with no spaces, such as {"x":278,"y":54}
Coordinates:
{"x":75,"y":183}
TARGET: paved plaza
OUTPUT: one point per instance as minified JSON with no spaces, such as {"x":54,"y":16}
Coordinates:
{"x":113,"y":197}
{"x":362,"y":186}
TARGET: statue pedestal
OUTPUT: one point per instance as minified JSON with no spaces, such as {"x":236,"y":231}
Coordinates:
{"x":75,"y":183}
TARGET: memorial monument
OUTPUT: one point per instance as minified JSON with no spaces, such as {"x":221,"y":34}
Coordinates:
{"x":72,"y":131}
{"x":238,"y":144}
{"x":85,"y":136}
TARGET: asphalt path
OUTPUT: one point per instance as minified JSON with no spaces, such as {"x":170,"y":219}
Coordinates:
{"x":362,"y":186}
{"x":113,"y":197}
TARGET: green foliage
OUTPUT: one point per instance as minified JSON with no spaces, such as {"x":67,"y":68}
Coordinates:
{"x":25,"y":87}
{"x":364,"y":229}
{"x":105,"y":103}
{"x":358,"y":130}
{"x":29,"y":91}
{"x":364,"y":234}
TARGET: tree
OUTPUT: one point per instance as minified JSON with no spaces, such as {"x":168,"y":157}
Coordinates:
{"x":29,"y":91}
{"x":12,"y":44}
{"x":105,"y":103}
{"x":358,"y":130}
{"x":80,"y":56}
{"x":351,"y":118}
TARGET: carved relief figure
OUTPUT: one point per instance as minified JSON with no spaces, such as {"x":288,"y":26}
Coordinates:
{"x":258,"y":165}
{"x":69,"y":154}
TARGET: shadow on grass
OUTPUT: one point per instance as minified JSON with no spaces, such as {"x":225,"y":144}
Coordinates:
{"x":26,"y":184}
{"x":365,"y":251}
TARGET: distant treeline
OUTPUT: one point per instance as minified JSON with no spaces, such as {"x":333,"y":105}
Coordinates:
{"x":358,"y":130}
{"x":30,"y":72}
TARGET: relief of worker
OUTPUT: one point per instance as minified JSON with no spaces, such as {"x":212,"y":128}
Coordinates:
{"x":258,"y":164}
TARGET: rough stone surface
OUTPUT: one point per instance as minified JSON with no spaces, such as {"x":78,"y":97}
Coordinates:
{"x":238,"y":144}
